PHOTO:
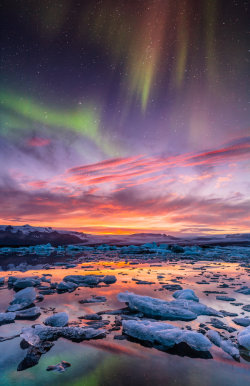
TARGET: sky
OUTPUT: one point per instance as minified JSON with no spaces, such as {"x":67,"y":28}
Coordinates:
{"x":125,"y":116}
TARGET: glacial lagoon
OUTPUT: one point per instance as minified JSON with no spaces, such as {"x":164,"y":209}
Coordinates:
{"x":116,"y":357}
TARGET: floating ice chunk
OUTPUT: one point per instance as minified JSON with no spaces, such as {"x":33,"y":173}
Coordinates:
{"x":57,"y":320}
{"x":131,"y":249}
{"x":23,"y":299}
{"x":244,"y":338}
{"x":103,"y":247}
{"x":243,"y":290}
{"x":29,"y":313}
{"x":90,"y":280}
{"x":177,"y":248}
{"x":245,"y":322}
{"x":165,"y":335}
{"x":60,"y":367}
{"x":230,"y":349}
{"x":187,"y":294}
{"x":63,"y":286}
{"x":30,"y":335}
{"x":155,"y":307}
{"x":225,"y":344}
{"x":11,"y":267}
{"x":109,"y":279}
{"x":7,"y":317}
{"x":172,"y":287}
{"x":94,"y":299}
{"x":217,"y":323}
{"x":192,"y":250}
{"x":149,"y":245}
{"x":45,"y":249}
{"x":39,"y":339}
{"x":34,"y":335}
{"x":25,"y":282}
{"x":179,"y":309}
{"x":215,"y":337}
{"x":86,"y":248}
{"x":225,"y":298}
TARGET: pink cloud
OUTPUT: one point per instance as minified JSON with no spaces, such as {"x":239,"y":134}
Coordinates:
{"x":133,"y":189}
{"x":37,"y":184}
{"x":38,"y":142}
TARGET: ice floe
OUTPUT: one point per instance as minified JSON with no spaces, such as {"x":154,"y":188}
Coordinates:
{"x":180,"y":309}
{"x":165,"y":335}
{"x":90,"y":280}
{"x":57,"y":320}
{"x":7,"y":317}
{"x":225,"y":344}
{"x":23,"y":299}
{"x":244,"y":338}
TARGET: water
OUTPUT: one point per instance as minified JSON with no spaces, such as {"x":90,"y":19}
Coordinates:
{"x":121,"y":362}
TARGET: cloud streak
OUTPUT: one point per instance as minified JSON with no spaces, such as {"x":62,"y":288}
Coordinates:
{"x":136,"y":192}
{"x":129,"y":208}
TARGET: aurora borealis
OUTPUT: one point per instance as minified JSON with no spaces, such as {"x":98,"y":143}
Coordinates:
{"x":121,"y":116}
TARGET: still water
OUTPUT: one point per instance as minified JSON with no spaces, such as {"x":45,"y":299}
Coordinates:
{"x":120,"y":362}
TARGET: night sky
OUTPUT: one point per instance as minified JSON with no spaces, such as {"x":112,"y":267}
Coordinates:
{"x":122,"y":116}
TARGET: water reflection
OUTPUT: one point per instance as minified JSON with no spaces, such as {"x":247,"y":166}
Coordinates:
{"x":109,"y":361}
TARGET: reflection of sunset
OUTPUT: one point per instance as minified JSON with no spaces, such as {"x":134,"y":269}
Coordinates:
{"x":126,"y":273}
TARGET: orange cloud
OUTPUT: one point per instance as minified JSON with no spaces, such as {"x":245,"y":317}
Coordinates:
{"x":144,"y":193}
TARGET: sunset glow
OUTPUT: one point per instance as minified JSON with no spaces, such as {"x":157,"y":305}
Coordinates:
{"x":125,"y":117}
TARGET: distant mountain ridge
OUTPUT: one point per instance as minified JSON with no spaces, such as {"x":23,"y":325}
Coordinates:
{"x":27,"y":235}
{"x":24,"y":235}
{"x":156,"y":235}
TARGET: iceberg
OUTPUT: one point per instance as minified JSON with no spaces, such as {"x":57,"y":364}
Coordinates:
{"x":225,"y":344}
{"x":187,"y":294}
{"x":57,"y":320}
{"x":164,"y":335}
{"x":244,"y":338}
{"x":23,"y":299}
{"x":180,"y":309}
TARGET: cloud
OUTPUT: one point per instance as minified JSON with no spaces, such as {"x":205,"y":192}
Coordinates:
{"x":37,"y":184}
{"x":136,"y":192}
{"x":38,"y":142}
{"x":124,"y":207}
{"x":113,"y":162}
{"x":126,"y":168}
{"x":240,"y":151}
